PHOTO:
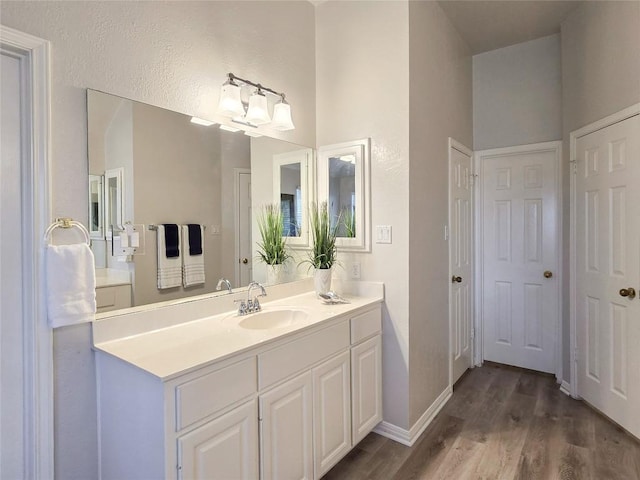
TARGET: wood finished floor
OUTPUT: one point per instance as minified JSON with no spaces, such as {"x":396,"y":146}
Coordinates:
{"x":502,"y":423}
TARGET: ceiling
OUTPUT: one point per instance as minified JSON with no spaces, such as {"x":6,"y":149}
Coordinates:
{"x":488,"y":25}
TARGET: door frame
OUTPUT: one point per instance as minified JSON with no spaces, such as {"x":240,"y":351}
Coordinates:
{"x":236,"y":218}
{"x":605,"y":122}
{"x":553,"y":146}
{"x":453,"y":144}
{"x":36,"y":200}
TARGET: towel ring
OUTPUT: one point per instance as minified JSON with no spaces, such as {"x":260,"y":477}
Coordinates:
{"x":67,"y":223}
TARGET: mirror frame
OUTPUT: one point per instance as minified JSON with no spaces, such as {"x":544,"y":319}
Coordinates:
{"x":361,"y":150}
{"x":303,"y":157}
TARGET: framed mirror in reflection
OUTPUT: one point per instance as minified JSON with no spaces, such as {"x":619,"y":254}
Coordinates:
{"x":151,"y":166}
{"x":292,"y":190}
{"x":344,"y":183}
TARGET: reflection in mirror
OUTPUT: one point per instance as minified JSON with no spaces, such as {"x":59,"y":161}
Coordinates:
{"x":291,"y":187}
{"x":342,"y":195}
{"x":291,"y":199}
{"x":344,"y":183}
{"x":159,"y":168}
{"x":96,"y":205}
{"x":114,"y":199}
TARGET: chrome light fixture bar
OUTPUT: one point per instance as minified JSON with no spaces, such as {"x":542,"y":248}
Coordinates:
{"x":256,"y":111}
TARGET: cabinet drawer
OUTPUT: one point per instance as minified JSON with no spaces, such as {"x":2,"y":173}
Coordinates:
{"x":281,"y":362}
{"x":113,"y":298}
{"x":203,"y":396}
{"x":365,"y":325}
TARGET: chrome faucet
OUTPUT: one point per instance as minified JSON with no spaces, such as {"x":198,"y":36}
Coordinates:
{"x":253,"y":305}
{"x":226,"y":283}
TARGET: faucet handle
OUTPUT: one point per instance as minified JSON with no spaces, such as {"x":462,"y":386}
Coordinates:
{"x":256,"y":304}
{"x":242,"y":307}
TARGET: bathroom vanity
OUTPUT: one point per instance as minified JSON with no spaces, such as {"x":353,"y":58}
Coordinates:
{"x":282,"y":393}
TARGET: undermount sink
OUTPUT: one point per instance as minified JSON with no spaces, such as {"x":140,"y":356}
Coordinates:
{"x":268,"y":319}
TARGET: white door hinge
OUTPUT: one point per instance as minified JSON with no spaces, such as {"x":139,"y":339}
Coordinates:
{"x":575,"y":354}
{"x":473,"y":333}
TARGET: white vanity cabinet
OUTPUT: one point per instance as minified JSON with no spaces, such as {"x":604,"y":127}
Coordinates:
{"x":331,"y":412}
{"x":286,"y":421}
{"x":226,"y":447}
{"x":366,"y":373}
{"x":289,"y":408}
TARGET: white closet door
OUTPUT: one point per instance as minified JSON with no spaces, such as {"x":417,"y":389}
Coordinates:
{"x":12,"y":435}
{"x":520,"y":292}
{"x":460,"y":257}
{"x":607,"y":268}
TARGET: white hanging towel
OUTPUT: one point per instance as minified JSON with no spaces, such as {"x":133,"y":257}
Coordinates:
{"x":169,"y":268}
{"x":192,"y":265}
{"x":71,"y":284}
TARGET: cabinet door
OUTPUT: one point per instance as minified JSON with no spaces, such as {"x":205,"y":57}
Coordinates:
{"x":225,"y":448}
{"x":331,"y":412}
{"x":285,"y":431}
{"x":366,"y":387}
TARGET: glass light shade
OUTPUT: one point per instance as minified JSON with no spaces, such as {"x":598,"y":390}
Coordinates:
{"x":282,"y":117}
{"x":230,"y":104}
{"x":258,"y":111}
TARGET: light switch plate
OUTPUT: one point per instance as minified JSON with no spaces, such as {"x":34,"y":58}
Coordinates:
{"x":383,"y":233}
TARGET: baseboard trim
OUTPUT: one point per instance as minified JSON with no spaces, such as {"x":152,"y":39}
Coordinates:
{"x":565,"y":388}
{"x":409,"y":437}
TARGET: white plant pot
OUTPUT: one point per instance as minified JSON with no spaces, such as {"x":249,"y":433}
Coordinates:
{"x":322,"y":280}
{"x":275,"y":274}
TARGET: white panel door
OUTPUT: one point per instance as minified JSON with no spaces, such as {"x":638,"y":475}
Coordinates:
{"x":286,"y":420}
{"x":225,"y":448}
{"x":12,"y":400}
{"x":460,"y":258}
{"x":520,"y":291}
{"x":331,"y":412}
{"x":243,"y":230}
{"x":607,"y":267}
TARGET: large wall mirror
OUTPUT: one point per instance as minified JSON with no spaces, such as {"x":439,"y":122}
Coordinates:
{"x":149,"y":166}
{"x":344,"y":183}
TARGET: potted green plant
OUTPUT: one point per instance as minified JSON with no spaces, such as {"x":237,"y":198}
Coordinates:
{"x":272,"y":249}
{"x":323,"y":252}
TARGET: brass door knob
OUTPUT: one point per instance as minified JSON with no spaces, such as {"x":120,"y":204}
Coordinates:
{"x":628,"y":292}
{"x":455,"y":279}
{"x":548,"y":274}
{"x":245,"y":260}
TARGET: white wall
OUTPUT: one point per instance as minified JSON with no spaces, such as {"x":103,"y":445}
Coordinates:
{"x":600,"y":76}
{"x":171,"y":54}
{"x":440,"y":107}
{"x":517,"y":94}
{"x":362,"y":60}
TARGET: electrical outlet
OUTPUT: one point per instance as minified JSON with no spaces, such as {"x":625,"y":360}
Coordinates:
{"x":355,"y":270}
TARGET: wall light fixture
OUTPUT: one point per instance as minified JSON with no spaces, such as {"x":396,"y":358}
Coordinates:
{"x":255,"y":112}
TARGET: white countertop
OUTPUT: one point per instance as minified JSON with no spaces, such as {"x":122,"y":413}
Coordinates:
{"x":178,"y":349}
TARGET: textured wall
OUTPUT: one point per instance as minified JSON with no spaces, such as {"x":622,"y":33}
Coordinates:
{"x":600,"y":76}
{"x":170,"y":54}
{"x":362,"y":63}
{"x":517,"y":94}
{"x":441,"y":107}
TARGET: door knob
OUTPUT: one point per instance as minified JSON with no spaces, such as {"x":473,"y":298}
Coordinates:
{"x":245,"y":260}
{"x":455,"y":279}
{"x":548,"y":274}
{"x":628,"y":292}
